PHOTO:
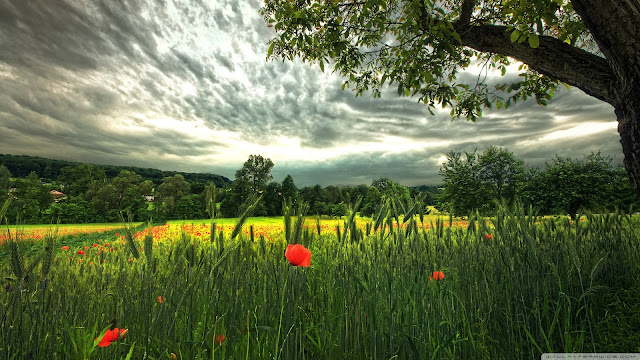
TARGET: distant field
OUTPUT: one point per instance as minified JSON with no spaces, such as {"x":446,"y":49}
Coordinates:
{"x":37,"y":232}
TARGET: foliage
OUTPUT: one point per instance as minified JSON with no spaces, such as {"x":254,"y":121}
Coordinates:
{"x":421,"y":47}
{"x":464,"y":189}
{"x":250,"y":180}
{"x":512,"y":286}
{"x":567,"y":186}
{"x":51,"y":170}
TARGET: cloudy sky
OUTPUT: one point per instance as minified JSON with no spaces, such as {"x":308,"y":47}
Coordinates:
{"x":184,"y":85}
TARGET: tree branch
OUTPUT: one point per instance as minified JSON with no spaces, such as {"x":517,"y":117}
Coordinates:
{"x":467,"y":11}
{"x":552,"y":58}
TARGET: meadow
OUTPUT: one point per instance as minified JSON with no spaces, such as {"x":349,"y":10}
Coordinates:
{"x":512,"y":286}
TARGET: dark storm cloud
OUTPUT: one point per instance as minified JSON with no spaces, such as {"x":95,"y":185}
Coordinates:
{"x":83,"y":80}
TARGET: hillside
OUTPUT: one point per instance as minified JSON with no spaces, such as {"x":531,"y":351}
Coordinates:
{"x":50,"y":169}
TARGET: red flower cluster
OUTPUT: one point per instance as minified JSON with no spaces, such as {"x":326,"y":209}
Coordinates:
{"x":298,"y":255}
{"x":437,"y":276}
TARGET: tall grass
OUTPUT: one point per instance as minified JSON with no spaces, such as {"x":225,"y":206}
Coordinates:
{"x":515,"y":286}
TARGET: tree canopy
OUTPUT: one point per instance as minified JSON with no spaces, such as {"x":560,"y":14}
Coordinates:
{"x":422,"y":46}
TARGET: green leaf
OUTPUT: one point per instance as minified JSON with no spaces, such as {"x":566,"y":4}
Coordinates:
{"x":457,"y":37}
{"x":270,"y":50}
{"x":515,"y":35}
{"x":534,"y":42}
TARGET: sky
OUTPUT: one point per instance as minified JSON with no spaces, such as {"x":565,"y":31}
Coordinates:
{"x":185,"y":86}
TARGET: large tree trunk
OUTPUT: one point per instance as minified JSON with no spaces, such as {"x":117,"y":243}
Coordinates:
{"x":615,"y":26}
{"x":628,"y":111}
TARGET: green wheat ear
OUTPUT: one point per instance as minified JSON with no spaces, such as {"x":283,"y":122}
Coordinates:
{"x":17,"y":265}
{"x":148,"y":246}
{"x":297,"y":229}
{"x":247,"y":212}
{"x":129,"y":236}
{"x":47,"y":254}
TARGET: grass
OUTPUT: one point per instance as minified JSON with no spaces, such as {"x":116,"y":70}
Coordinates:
{"x":534,"y":285}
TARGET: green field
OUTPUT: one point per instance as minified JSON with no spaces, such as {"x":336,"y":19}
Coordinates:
{"x":514,"y":286}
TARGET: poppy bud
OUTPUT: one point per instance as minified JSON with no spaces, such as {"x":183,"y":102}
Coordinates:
{"x":173,"y":356}
{"x":123,"y":334}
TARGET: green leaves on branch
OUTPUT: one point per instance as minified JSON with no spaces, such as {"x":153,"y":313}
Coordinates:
{"x":419,"y":46}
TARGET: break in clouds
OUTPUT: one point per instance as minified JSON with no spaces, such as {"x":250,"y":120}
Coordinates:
{"x":184,"y":85}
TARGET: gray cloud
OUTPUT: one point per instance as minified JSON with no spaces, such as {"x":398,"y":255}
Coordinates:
{"x":112,"y":82}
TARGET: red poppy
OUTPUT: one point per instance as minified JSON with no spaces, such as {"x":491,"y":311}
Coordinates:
{"x":95,"y":245}
{"x":86,"y":248}
{"x":298,"y":255}
{"x":160,"y":299}
{"x":489,"y":236}
{"x":81,"y":252}
{"x":219,"y":339}
{"x":437,"y":275}
{"x":111,"y":336}
{"x":65,"y":247}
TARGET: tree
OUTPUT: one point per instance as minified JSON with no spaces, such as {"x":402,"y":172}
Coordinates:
{"x":464,"y":189}
{"x":79,"y":179}
{"x":567,"y":186}
{"x":422,"y":45}
{"x":272,"y":199}
{"x":5,"y":179}
{"x":501,"y":172}
{"x":255,"y":173}
{"x":169,"y":193}
{"x":289,"y":189}
{"x":251,"y":180}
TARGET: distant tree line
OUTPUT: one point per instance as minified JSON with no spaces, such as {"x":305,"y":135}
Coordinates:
{"x":49,"y":170}
{"x":83,"y":193}
{"x":254,"y":179}
{"x":474,"y":181}
{"x":87,"y":193}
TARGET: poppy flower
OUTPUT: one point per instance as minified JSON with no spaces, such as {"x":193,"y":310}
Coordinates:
{"x":437,"y":275}
{"x":95,"y":245}
{"x":81,"y":252}
{"x":489,"y":236}
{"x":65,"y":247}
{"x":160,"y":299}
{"x":298,"y":255}
{"x":112,"y":335}
{"x":219,"y":339}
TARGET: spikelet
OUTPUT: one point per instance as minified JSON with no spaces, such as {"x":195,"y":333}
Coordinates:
{"x":47,"y":254}
{"x":213,"y":231}
{"x":318,"y":228}
{"x":247,"y":212}
{"x":4,"y":208}
{"x":129,"y":237}
{"x":286,"y":213}
{"x":148,"y":246}
{"x":297,"y":231}
{"x":17,"y":265}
